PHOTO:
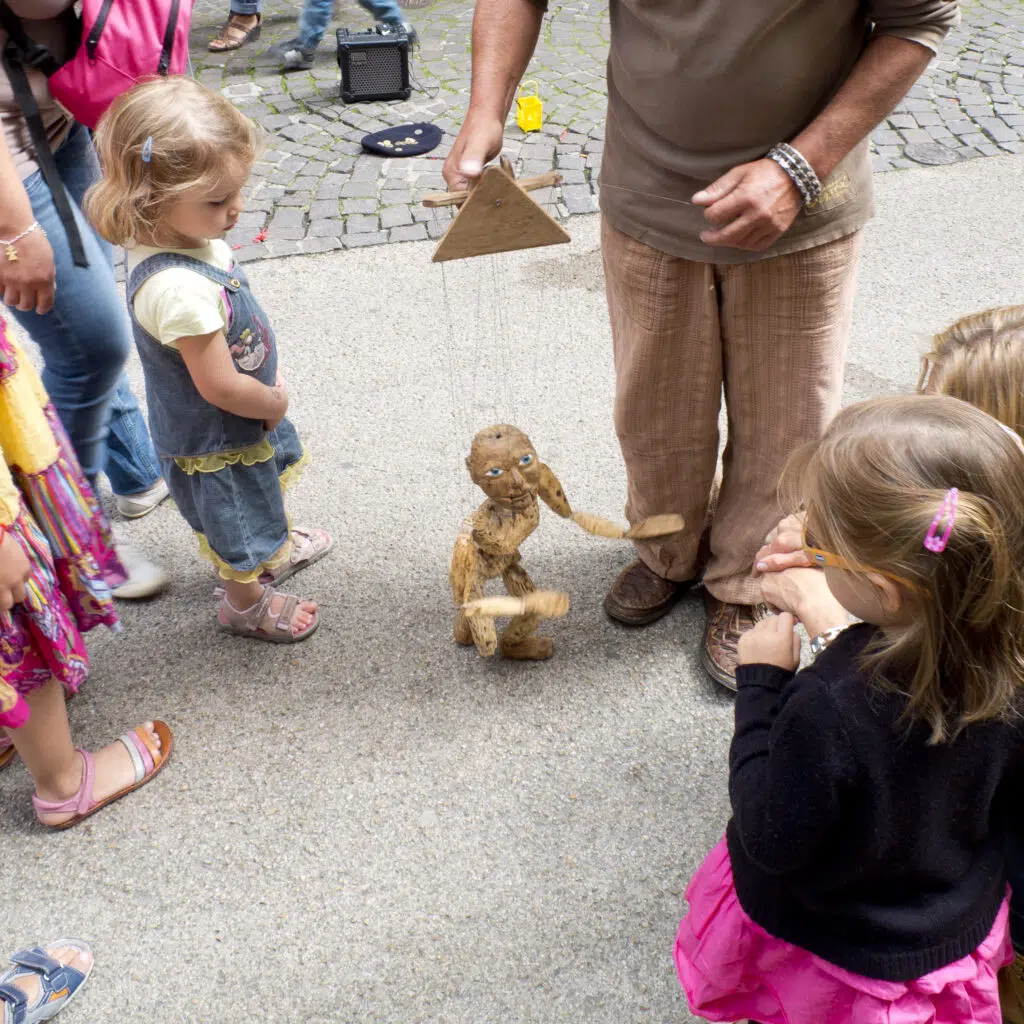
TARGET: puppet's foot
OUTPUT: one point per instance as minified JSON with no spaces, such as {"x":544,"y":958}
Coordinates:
{"x":533,"y":648}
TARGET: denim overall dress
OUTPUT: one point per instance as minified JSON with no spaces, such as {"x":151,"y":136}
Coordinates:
{"x":225,"y":472}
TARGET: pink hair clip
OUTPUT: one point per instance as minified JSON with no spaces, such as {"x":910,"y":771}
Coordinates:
{"x":932,"y":541}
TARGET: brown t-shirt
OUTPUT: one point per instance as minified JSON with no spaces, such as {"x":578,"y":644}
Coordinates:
{"x":42,"y":24}
{"x":696,"y":87}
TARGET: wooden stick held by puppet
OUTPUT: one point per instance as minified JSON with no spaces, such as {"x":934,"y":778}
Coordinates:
{"x":504,"y":465}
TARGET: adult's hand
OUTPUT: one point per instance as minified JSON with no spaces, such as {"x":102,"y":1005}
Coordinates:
{"x":783,"y":547}
{"x":28,"y":282}
{"x":750,"y":207}
{"x":478,"y":142}
{"x":14,"y":571}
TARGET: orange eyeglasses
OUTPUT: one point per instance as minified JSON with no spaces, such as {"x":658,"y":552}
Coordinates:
{"x":822,"y":558}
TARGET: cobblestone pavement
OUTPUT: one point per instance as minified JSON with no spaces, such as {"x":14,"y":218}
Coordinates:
{"x":315,"y":189}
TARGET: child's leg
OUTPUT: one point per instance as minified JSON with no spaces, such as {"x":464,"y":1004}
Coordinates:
{"x":45,"y":746}
{"x":243,"y":596}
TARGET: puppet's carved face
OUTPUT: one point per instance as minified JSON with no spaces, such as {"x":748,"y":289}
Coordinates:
{"x":505,"y":466}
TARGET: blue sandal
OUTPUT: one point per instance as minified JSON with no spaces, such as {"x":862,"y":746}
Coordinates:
{"x":58,"y":984}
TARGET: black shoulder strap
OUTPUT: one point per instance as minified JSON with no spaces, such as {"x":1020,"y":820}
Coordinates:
{"x":30,"y":53}
{"x":14,"y":65}
{"x":168,"y":44}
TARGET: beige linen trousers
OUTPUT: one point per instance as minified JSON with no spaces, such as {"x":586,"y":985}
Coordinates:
{"x":771,"y":335}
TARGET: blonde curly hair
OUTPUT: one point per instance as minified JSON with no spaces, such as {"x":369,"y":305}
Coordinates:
{"x":980,"y":359}
{"x":161,"y":139}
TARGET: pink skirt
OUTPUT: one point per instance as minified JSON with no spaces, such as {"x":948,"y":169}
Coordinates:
{"x":731,"y":969}
{"x":66,"y":536}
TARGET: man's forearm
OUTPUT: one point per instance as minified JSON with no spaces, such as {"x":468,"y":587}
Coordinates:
{"x":885,"y":72}
{"x":504,"y":36}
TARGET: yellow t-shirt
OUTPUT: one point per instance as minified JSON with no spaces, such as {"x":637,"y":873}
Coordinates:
{"x":177,"y":302}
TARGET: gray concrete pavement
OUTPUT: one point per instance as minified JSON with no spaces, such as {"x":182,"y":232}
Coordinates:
{"x":377,"y":826}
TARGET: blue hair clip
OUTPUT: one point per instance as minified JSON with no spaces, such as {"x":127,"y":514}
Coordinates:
{"x":147,"y":150}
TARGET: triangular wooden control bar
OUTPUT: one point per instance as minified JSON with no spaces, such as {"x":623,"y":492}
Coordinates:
{"x":497,"y":216}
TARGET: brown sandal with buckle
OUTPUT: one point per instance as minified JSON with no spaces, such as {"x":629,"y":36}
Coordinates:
{"x":233,"y":36}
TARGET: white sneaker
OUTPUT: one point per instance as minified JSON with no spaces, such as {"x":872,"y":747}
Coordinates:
{"x":135,"y":506}
{"x":144,"y":578}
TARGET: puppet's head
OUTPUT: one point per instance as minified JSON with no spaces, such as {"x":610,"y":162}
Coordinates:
{"x":504,"y":465}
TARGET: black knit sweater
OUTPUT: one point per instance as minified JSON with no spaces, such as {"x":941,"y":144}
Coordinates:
{"x":854,"y":839}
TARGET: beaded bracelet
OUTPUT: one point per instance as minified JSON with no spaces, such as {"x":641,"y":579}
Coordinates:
{"x":801,"y":173}
{"x":9,"y":243}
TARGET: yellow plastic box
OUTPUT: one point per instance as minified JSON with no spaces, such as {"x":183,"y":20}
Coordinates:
{"x":529,"y":109}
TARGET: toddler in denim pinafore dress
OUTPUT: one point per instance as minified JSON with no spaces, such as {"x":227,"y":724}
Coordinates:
{"x":227,"y":473}
{"x":216,"y":401}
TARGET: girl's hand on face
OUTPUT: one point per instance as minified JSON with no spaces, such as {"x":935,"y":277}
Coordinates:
{"x":783,"y":547}
{"x":771,"y":642}
{"x":15,"y":569}
{"x":796,"y":590}
{"x":804,"y":593}
{"x":29,"y":282}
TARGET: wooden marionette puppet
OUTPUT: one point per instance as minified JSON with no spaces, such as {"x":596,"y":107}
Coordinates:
{"x":504,"y":465}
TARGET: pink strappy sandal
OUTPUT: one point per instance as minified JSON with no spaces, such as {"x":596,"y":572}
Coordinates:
{"x":314,"y":545}
{"x":250,"y":621}
{"x":147,"y":759}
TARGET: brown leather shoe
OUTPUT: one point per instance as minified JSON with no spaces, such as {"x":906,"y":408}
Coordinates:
{"x":726,"y":624}
{"x":640,"y":596}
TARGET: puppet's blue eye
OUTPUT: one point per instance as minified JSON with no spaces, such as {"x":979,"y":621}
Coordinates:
{"x":526,"y":460}
{"x":493,"y":472}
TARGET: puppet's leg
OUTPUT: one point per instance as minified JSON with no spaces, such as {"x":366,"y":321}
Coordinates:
{"x":478,"y":630}
{"x":518,"y":641}
{"x":463,"y":630}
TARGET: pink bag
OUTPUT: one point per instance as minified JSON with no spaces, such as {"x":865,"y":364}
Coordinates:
{"x":123,"y":41}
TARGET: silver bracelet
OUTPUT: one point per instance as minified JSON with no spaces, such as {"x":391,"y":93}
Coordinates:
{"x":823,"y":639}
{"x":801,"y":173}
{"x":8,"y":244}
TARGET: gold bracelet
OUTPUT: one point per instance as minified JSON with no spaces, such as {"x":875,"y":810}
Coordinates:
{"x":9,"y":243}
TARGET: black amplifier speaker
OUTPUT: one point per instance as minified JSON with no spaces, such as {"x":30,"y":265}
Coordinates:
{"x":374,"y":64}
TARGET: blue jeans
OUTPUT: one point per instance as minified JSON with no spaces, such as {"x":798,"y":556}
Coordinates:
{"x":316,"y":16}
{"x":85,"y":338}
{"x":246,"y":8}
